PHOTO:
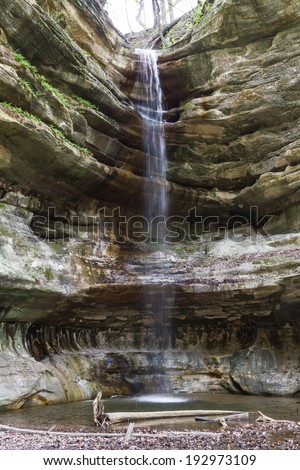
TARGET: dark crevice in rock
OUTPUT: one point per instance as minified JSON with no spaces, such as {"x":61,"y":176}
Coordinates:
{"x":237,"y":387}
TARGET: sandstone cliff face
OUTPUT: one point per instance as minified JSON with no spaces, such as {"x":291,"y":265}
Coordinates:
{"x":237,"y":105}
{"x":72,"y":302}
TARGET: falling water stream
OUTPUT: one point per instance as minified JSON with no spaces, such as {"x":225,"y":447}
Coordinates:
{"x":158,"y":300}
{"x":154,"y":142}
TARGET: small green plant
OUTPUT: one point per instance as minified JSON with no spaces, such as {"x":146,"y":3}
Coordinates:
{"x":201,"y":11}
{"x":170,"y":42}
{"x":58,"y":15}
{"x":57,"y":132}
{"x":70,"y":29}
{"x":28,"y":87}
{"x":24,"y":62}
{"x":49,"y":274}
{"x":198,"y":15}
{"x":87,"y":53}
{"x":36,"y":252}
{"x":60,"y":134}
{"x":54,"y":90}
{"x":2,"y":205}
{"x":84,"y":102}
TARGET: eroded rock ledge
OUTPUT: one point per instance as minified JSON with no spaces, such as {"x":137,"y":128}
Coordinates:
{"x":73,"y":299}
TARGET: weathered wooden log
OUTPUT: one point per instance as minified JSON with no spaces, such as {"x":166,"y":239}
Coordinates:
{"x":234,"y":417}
{"x":125,"y":417}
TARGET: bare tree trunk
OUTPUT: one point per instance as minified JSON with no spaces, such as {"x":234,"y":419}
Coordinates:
{"x":171,"y":10}
{"x":156,"y":14}
{"x":141,"y":10}
{"x":157,"y":19}
{"x":163,"y":9}
{"x":127,"y":16}
{"x":170,"y":7}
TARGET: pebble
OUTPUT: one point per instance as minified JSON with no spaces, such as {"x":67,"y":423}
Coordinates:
{"x":285,"y":436}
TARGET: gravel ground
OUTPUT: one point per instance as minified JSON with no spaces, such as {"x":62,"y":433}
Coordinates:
{"x":284,"y":436}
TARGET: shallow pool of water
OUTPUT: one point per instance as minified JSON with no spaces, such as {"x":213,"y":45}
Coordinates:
{"x":80,"y":413}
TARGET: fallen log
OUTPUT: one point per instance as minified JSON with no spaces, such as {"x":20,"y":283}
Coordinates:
{"x":125,"y":417}
{"x":234,"y":417}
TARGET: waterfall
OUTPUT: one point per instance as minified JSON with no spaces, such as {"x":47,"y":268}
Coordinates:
{"x":154,"y":144}
{"x":158,"y":297}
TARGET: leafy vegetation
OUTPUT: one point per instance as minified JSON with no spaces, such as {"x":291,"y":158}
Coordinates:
{"x":23,"y":61}
{"x":54,"y":90}
{"x":27,"y":85}
{"x":21,"y":111}
{"x":49,"y":274}
{"x":54,"y":129}
{"x":60,"y":134}
{"x":58,"y":16}
{"x":88,"y":54}
{"x":84,"y":102}
{"x":44,"y":82}
{"x":47,"y":86}
{"x":188,"y":22}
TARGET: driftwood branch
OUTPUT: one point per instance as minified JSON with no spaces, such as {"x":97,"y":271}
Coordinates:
{"x":223,"y":423}
{"x":266,"y":419}
{"x":101,"y":419}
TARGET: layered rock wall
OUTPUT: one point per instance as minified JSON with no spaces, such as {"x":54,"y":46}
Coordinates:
{"x":73,"y":310}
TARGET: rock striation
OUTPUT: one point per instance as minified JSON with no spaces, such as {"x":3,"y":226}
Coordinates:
{"x":72,"y":288}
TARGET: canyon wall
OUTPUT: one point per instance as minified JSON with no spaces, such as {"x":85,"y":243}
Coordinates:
{"x":72,"y":289}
